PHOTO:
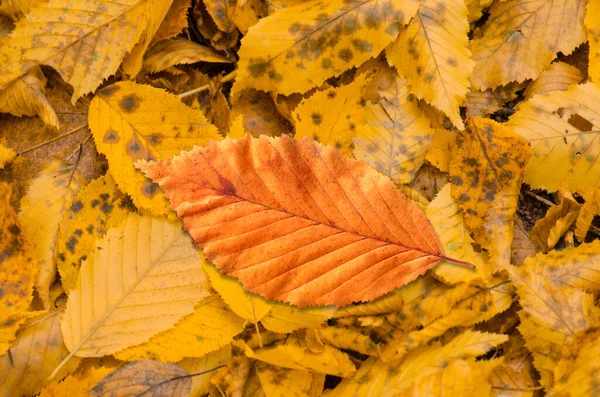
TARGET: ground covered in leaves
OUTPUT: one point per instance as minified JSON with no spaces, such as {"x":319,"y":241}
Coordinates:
{"x":299,"y":198}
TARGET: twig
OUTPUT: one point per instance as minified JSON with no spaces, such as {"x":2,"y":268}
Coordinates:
{"x":74,"y":130}
{"x":205,"y":87}
{"x":80,"y":145}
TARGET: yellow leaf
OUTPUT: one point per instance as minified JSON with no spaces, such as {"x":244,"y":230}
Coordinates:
{"x":38,"y":350}
{"x":551,"y":317}
{"x":577,"y":267}
{"x":7,"y":155}
{"x":584,"y":377}
{"x":285,"y":318}
{"x":386,"y":304}
{"x":376,"y":378}
{"x":237,"y":130}
{"x":332,"y":116}
{"x":251,"y":307}
{"x":130,"y":122}
{"x":559,"y":76}
{"x":18,"y":269}
{"x":42,"y":209}
{"x":172,"y":52}
{"x":347,"y":339}
{"x":515,"y":376}
{"x":144,"y":277}
{"x":558,"y":219}
{"x":97,"y":207}
{"x":522,"y":247}
{"x":399,"y":343}
{"x":175,"y":21}
{"x":459,"y":379}
{"x":294,"y":354}
{"x":484,"y":103}
{"x":432,"y":52}
{"x":77,"y":385}
{"x":449,"y":224}
{"x":278,"y":382}
{"x":222,"y":13}
{"x":487,"y":159}
{"x":490,"y":299}
{"x":562,"y":129}
{"x":145,"y":376}
{"x":395,"y":134}
{"x":209,"y":328}
{"x":439,"y":152}
{"x":248,"y":14}
{"x":195,"y":365}
{"x":589,"y":209}
{"x":26,"y":97}
{"x":592,"y":23}
{"x":17,"y":8}
{"x":299,"y":47}
{"x":260,"y":114}
{"x":520,"y":39}
{"x":132,"y":63}
{"x":84,"y":44}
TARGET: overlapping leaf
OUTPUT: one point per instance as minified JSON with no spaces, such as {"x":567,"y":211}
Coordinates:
{"x":301,"y":46}
{"x":432,"y":52}
{"x":298,"y":221}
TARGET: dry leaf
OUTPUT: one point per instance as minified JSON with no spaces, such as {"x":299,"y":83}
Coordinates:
{"x":548,"y":230}
{"x":174,"y":22}
{"x":589,"y":209}
{"x":172,"y":52}
{"x":297,"y":192}
{"x":148,"y":378}
{"x":558,"y":76}
{"x":299,"y":47}
{"x":592,"y":23}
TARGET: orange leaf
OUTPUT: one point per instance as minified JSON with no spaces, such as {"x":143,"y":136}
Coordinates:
{"x":297,"y":221}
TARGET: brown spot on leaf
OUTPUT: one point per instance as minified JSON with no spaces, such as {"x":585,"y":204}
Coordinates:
{"x":111,"y":136}
{"x":109,"y":91}
{"x":316,"y":118}
{"x":149,"y":189}
{"x":130,"y":103}
{"x":362,"y":45}
{"x":76,"y":206}
{"x":345,"y":54}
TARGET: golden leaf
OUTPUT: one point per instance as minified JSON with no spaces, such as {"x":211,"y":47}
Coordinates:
{"x":174,"y":22}
{"x":299,"y":47}
{"x":395,"y":134}
{"x":222,"y":13}
{"x":209,"y":328}
{"x":449,"y":224}
{"x":515,"y":376}
{"x":376,"y":378}
{"x":130,"y":122}
{"x":577,"y":267}
{"x":195,"y":365}
{"x":77,"y":385}
{"x":25,"y":97}
{"x":284,"y":318}
{"x":487,"y":159}
{"x":260,"y":115}
{"x":17,"y":8}
{"x":589,"y":209}
{"x":273,"y":197}
{"x":97,"y":207}
{"x":144,"y":277}
{"x":558,"y":219}
{"x":172,"y":52}
{"x":347,"y":339}
{"x":293,"y":354}
{"x":85,"y":45}
{"x":559,"y":76}
{"x":522,"y":247}
{"x":520,"y":39}
{"x":277,"y":381}
{"x":562,"y":128}
{"x":38,"y":350}
{"x":584,"y":377}
{"x":146,"y":377}
{"x":439,"y":152}
{"x":42,"y":209}
{"x":386,"y":304}
{"x":432,"y":52}
{"x":332,"y":116}
{"x":7,"y":155}
{"x":592,"y":23}
{"x":248,"y":13}
{"x":485,"y":103}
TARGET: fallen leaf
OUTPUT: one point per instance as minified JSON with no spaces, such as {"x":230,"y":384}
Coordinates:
{"x":299,"y":47}
{"x":432,"y":52}
{"x":395,"y":134}
{"x":172,"y":52}
{"x":583,"y":378}
{"x":520,"y":39}
{"x":195,"y":365}
{"x":77,"y":385}
{"x":259,"y":114}
{"x":338,"y":217}
{"x":174,"y":22}
{"x":589,"y":209}
{"x":558,"y":219}
{"x":146,"y":377}
{"x":144,"y":277}
{"x":7,"y":155}
{"x":592,"y":23}
{"x":42,"y":209}
{"x":130,"y":122}
{"x":559,"y":76}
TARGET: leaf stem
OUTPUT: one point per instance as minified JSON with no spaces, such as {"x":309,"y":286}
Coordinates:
{"x":226,"y":78}
{"x":457,"y":261}
{"x":74,"y":130}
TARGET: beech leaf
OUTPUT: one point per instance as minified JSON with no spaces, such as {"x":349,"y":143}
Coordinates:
{"x":299,"y":222}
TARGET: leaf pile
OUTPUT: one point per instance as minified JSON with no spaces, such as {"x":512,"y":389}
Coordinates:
{"x":298,"y":197}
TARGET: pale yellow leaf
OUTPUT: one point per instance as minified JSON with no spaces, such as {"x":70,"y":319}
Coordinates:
{"x":395,"y":134}
{"x":278,"y":382}
{"x":432,"y":52}
{"x":592,"y":23}
{"x":172,"y":52}
{"x":143,"y":278}
{"x":589,"y":209}
{"x":77,"y":385}
{"x":559,"y":76}
{"x":195,"y":365}
{"x":42,"y":209}
{"x":285,"y":318}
